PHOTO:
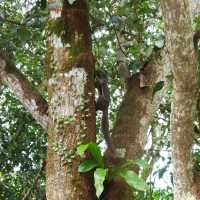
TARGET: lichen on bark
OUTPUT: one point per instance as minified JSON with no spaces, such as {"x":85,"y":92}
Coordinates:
{"x":179,"y":37}
{"x":71,"y":109}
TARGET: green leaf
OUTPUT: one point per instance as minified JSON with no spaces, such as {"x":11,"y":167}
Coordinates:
{"x":82,"y":148}
{"x":43,"y":4}
{"x":24,"y":34}
{"x":96,"y":153}
{"x":142,"y":163}
{"x":94,"y":150}
{"x":132,"y":179}
{"x":99,"y":178}
{"x":158,"y":86}
{"x":87,"y":165}
{"x":71,"y":1}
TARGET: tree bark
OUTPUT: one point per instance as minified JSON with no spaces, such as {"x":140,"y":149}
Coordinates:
{"x":29,"y":97}
{"x":129,"y":134}
{"x":179,"y":36}
{"x":71,"y":100}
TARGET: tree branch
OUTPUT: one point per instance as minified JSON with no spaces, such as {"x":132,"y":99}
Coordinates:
{"x":139,"y":105}
{"x":21,"y":87}
{"x":135,"y":114}
{"x":121,"y":57}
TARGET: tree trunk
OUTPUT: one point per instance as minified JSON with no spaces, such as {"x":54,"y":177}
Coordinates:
{"x":179,"y":37}
{"x":129,"y":134}
{"x":71,"y":100}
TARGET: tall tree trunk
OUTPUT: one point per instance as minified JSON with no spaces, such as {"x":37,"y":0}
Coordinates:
{"x":179,"y":37}
{"x":71,"y":100}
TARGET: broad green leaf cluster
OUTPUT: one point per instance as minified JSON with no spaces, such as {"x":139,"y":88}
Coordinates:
{"x":102,"y":174}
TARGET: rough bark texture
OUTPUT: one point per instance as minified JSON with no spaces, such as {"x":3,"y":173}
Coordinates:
{"x":71,"y":101}
{"x":21,"y":87}
{"x":129,"y":134}
{"x":179,"y":36}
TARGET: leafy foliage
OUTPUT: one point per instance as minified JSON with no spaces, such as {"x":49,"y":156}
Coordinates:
{"x":22,"y":149}
{"x":22,"y":140}
{"x":101,"y":173}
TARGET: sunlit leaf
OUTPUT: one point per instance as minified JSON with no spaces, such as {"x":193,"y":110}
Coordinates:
{"x":132,"y":179}
{"x":99,"y":178}
{"x":82,"y":148}
{"x":94,"y":150}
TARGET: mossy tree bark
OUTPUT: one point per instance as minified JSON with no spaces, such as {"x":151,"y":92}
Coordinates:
{"x":71,"y":100}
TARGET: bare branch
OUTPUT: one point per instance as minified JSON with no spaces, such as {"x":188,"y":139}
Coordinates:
{"x":122,"y":57}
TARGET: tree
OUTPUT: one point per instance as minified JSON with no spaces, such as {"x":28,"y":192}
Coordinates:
{"x":71,"y":100}
{"x":185,"y":84}
{"x":138,"y":72}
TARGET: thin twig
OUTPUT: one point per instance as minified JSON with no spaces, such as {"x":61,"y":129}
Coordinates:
{"x":119,"y":44}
